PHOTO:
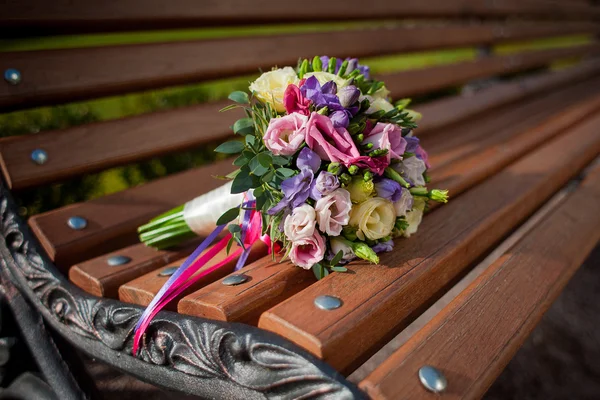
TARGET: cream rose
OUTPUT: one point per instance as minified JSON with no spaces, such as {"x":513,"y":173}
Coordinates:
{"x":339,"y":244}
{"x":324,"y":77}
{"x":270,"y":86}
{"x":373,"y":218}
{"x":300,"y":223}
{"x":414,"y":217}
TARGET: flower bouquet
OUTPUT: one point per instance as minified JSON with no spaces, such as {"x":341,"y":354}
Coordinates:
{"x":328,"y":171}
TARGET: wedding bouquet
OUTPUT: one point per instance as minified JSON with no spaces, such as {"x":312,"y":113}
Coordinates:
{"x":328,"y":171}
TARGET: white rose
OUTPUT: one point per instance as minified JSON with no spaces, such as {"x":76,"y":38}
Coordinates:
{"x":338,"y":245}
{"x":301,"y":223}
{"x":324,"y":77}
{"x":382,"y":93}
{"x":403,"y":204}
{"x":374,"y":218}
{"x":377,"y":104}
{"x":270,"y":86}
{"x":414,"y":217}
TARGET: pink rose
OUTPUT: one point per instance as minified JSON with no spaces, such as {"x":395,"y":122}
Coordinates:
{"x":308,"y":251}
{"x":333,"y":211}
{"x":387,"y":137}
{"x":422,"y":154}
{"x":293,"y":101}
{"x":285,"y":135}
{"x":333,"y":144}
{"x":300,"y":223}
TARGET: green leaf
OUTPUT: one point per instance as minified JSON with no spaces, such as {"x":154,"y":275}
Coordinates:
{"x":240,"y":161}
{"x":339,"y":269}
{"x":250,"y":140}
{"x":264,"y":159}
{"x":229,"y":107}
{"x":233,"y":174}
{"x":242,"y":182}
{"x":285,"y":172}
{"x":256,"y":167}
{"x":229,"y":244}
{"x":338,"y":257}
{"x":318,"y":271}
{"x":243,"y":127}
{"x":280,"y":160}
{"x":268,"y":177}
{"x":239,"y":97}
{"x":230,"y":147}
{"x":228,"y":216}
{"x":233,"y":228}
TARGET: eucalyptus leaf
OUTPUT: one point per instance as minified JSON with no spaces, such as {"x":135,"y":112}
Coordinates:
{"x":230,"y":147}
{"x":256,"y":167}
{"x":242,"y":182}
{"x":239,"y":97}
{"x":317,"y":269}
{"x":280,"y":160}
{"x":264,"y":159}
{"x":338,"y":268}
{"x":228,"y":216}
{"x":233,"y":228}
{"x":244,"y":126}
{"x":285,"y":172}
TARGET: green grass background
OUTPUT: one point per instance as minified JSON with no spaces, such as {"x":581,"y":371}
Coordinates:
{"x":94,"y":185}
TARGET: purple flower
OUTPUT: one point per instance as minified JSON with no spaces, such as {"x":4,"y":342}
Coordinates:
{"x":412,"y":143}
{"x":348,"y":95}
{"x":383,"y":247}
{"x":297,"y":188}
{"x":352,"y":65}
{"x":325,"y":183}
{"x":321,"y":96}
{"x":388,"y":189}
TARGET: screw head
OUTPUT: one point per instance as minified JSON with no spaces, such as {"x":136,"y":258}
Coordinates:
{"x":39,"y":156}
{"x":432,"y":379}
{"x":77,"y":223}
{"x":328,"y":303}
{"x":233,"y":280}
{"x":168,"y":271}
{"x":117,"y":260}
{"x":12,"y":76}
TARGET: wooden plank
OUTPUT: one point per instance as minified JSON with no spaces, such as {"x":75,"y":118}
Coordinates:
{"x":449,"y":240}
{"x":101,"y":145}
{"x":79,"y":16}
{"x":517,"y":134}
{"x":113,"y":220}
{"x":93,"y":147}
{"x":111,"y":70}
{"x":473,"y":338}
{"x":143,"y":289}
{"x":420,"y":81}
{"x":97,"y":277}
{"x":452,"y":109}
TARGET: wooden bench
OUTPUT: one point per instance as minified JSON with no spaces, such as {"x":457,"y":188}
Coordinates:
{"x":515,"y":144}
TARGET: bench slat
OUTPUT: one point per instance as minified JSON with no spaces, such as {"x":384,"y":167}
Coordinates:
{"x":450,"y":239}
{"x":112,"y":220}
{"x":114,"y":70}
{"x":475,"y":336}
{"x":244,"y":302}
{"x":420,"y":81}
{"x":143,"y":289}
{"x":80,"y":16}
{"x":107,"y":144}
{"x":97,"y":277}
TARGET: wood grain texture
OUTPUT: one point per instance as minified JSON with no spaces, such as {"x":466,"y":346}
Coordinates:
{"x":449,"y":110}
{"x":113,"y":220}
{"x":390,"y":295}
{"x":473,"y":338}
{"x":102,"y":71}
{"x":269,"y":284}
{"x":143,"y":289}
{"x":95,"y":276}
{"x":504,"y":136}
{"x":420,"y":81}
{"x":78,"y":15}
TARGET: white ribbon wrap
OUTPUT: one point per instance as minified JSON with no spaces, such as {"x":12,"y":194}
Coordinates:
{"x":202,"y":213}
